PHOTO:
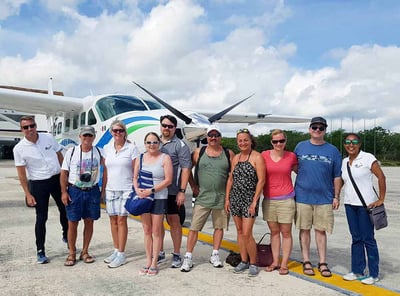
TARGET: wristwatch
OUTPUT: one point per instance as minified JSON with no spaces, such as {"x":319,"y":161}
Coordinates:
{"x":182,"y":190}
{"x":153,"y":190}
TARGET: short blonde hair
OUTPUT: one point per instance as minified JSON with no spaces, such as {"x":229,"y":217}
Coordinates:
{"x":277,"y":132}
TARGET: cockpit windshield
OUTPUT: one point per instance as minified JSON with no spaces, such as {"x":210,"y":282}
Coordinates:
{"x":110,"y":106}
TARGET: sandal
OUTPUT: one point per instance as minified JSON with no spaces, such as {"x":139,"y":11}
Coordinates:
{"x":144,"y":270}
{"x":326,"y":272}
{"x":152,"y":271}
{"x":86,"y":258}
{"x":271,"y":268}
{"x":71,"y":260}
{"x":283,"y":271}
{"x":308,"y":270}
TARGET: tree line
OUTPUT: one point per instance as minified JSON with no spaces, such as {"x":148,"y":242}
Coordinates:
{"x":385,"y":145}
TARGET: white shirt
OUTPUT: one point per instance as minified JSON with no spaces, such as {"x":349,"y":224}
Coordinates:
{"x":119,"y":165}
{"x":362,"y":175}
{"x":40,"y":158}
{"x":76,"y":166}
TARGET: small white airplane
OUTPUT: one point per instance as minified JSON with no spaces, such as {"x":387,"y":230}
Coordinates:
{"x":65,"y":115}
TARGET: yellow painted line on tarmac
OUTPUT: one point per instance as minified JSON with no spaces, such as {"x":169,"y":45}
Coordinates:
{"x":296,"y":269}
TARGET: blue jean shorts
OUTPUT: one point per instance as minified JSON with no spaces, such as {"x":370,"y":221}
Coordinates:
{"x":83,"y":204}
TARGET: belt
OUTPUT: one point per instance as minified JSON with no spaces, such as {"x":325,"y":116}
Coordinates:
{"x":82,"y":188}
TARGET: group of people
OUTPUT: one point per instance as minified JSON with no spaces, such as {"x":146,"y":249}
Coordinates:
{"x":223,"y":183}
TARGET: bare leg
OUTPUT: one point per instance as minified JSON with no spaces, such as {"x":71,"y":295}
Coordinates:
{"x":122,"y":232}
{"x":176,"y":232}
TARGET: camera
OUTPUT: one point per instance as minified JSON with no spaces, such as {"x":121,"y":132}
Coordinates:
{"x":85,"y":177}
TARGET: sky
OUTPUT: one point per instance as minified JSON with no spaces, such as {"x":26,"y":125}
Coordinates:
{"x":339,"y":59}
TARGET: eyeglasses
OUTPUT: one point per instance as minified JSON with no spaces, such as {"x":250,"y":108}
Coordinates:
{"x":243,"y":130}
{"x":278,"y":141}
{"x":214,"y":135}
{"x":87,"y":135}
{"x":118,"y":130}
{"x":320,"y":128}
{"x":354,"y":142}
{"x":168,"y":126}
{"x":25,"y":127}
{"x":152,"y":142}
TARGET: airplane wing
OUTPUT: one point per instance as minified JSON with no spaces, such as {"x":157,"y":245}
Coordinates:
{"x":38,"y":103}
{"x":252,"y":118}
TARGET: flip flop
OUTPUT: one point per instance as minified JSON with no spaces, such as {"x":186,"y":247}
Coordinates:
{"x":86,"y":258}
{"x":70,"y":261}
{"x":326,"y":272}
{"x":283,"y":271}
{"x":308,"y":270}
{"x":271,"y":268}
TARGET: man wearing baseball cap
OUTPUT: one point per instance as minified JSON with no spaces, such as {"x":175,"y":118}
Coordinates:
{"x":317,"y":191}
{"x":80,"y":175}
{"x":212,"y":165}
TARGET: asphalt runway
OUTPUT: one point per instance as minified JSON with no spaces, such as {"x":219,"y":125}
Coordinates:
{"x":20,"y":275}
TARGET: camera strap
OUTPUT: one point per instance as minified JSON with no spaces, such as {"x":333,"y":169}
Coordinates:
{"x":80,"y":161}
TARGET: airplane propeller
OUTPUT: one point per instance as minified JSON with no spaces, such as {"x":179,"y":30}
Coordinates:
{"x":185,"y":118}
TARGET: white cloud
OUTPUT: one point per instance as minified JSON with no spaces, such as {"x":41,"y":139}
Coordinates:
{"x":10,"y":7}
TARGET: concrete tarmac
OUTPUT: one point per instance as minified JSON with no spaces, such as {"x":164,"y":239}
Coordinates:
{"x":21,"y":275}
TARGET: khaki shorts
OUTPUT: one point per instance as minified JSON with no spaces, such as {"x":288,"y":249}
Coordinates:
{"x":321,"y":216}
{"x":201,"y":214}
{"x":281,"y":211}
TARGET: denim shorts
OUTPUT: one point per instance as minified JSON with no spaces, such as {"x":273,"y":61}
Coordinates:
{"x":83,"y":204}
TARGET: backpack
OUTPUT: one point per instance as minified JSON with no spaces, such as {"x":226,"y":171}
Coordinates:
{"x":202,"y":150}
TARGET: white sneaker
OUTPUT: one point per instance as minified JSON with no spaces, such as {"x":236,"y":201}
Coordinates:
{"x":110,"y":258}
{"x":352,"y":276}
{"x":118,"y":261}
{"x":370,"y":280}
{"x":187,"y":264}
{"x":215,"y":260}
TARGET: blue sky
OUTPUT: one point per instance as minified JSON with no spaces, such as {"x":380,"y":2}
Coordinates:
{"x":331,"y":58}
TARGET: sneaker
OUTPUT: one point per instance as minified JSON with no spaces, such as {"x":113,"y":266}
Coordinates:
{"x":111,"y":258}
{"x":118,"y":261}
{"x":215,"y":260}
{"x":352,"y":276}
{"x":176,"y":260}
{"x":41,"y":258}
{"x":65,"y":240}
{"x":253,"y":270}
{"x":161,"y":257}
{"x":242,"y":266}
{"x":370,"y":280}
{"x":187,"y":264}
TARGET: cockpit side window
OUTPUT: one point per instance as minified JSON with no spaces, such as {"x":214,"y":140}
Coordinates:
{"x":91,"y":118}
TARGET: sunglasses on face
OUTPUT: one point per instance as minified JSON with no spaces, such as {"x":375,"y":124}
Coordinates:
{"x":168,"y":126}
{"x":25,"y":127}
{"x":152,"y":142}
{"x":316,"y":127}
{"x":278,"y":141}
{"x":243,"y":130}
{"x":118,"y":130}
{"x":354,"y":142}
{"x":213,"y":135}
{"x":87,"y":135}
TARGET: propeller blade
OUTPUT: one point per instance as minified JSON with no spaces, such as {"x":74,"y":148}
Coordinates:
{"x":219,"y":115}
{"x":174,"y":111}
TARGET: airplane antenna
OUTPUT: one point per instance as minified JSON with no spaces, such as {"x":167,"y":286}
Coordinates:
{"x":174,"y":111}
{"x":219,"y":115}
{"x":50,"y":87}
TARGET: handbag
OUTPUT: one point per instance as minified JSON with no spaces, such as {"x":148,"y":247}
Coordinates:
{"x":378,"y":214}
{"x":134,"y":204}
{"x":264,"y":253}
{"x":233,"y":258}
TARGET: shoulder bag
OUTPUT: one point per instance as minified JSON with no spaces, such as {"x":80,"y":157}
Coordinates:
{"x":264,"y":253}
{"x":134,"y":204}
{"x":378,"y":214}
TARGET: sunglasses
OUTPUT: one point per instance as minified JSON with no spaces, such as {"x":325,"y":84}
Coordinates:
{"x":320,"y":128}
{"x":118,"y":130}
{"x":152,"y":142}
{"x":354,"y":142}
{"x":243,"y":130}
{"x":87,"y":135}
{"x":278,"y":141}
{"x":168,"y":126}
{"x":214,"y":135}
{"x":25,"y":127}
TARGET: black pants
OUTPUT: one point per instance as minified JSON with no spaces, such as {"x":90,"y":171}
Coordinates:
{"x":41,"y":190}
